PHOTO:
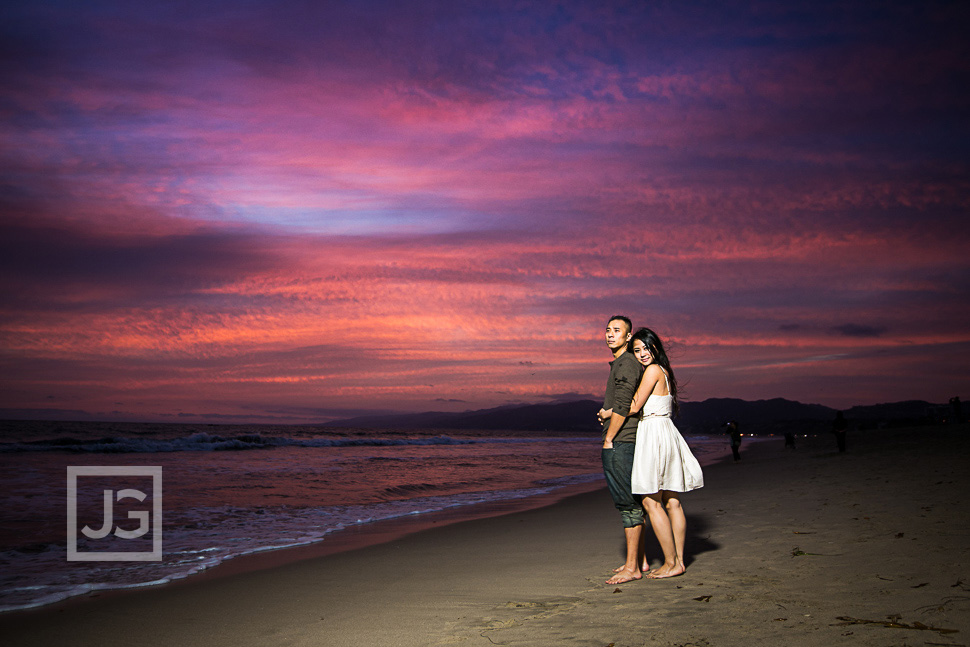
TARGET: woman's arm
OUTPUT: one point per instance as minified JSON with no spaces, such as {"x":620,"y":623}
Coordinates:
{"x":643,"y":392}
{"x":647,"y":385}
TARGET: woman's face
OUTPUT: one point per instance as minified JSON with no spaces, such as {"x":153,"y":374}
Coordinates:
{"x":642,"y":353}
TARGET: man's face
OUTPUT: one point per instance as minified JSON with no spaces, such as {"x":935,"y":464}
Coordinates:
{"x":617,"y":334}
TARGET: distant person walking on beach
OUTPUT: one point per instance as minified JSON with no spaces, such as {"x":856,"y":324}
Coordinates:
{"x":957,"y":410}
{"x":790,"y":439}
{"x":619,"y":441}
{"x":732,"y":429}
{"x":663,"y":465}
{"x":839,"y":426}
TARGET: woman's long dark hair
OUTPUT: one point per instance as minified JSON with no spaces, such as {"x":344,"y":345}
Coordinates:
{"x":652,"y":341}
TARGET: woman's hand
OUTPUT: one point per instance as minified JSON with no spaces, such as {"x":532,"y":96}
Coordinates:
{"x":604,"y":415}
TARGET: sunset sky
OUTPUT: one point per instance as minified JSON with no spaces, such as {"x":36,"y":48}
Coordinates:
{"x":295,"y":211}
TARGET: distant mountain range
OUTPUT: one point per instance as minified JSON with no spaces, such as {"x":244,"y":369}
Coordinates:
{"x":706,"y":417}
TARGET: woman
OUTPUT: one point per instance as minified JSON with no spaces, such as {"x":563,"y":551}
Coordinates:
{"x":663,"y":465}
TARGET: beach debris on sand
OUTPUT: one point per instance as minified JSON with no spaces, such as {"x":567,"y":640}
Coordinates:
{"x":893,"y":622}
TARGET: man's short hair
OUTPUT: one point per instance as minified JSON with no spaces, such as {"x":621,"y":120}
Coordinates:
{"x":626,"y":320}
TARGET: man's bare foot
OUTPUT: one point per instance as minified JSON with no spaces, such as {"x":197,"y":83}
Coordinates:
{"x":624,"y":575}
{"x":645,"y":568}
{"x":667,"y":571}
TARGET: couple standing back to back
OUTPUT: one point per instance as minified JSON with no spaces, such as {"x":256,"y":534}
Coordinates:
{"x":646,"y":462}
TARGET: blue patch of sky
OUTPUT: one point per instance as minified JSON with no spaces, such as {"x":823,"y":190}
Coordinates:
{"x":350,"y":222}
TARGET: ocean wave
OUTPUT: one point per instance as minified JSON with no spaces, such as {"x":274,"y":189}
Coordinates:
{"x":204,"y":442}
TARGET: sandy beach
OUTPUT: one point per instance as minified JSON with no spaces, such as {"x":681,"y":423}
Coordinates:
{"x":809,"y":547}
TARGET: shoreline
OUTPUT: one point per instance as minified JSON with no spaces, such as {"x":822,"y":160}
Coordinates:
{"x":350,"y":537}
{"x":380,"y":532}
{"x":780,"y":547}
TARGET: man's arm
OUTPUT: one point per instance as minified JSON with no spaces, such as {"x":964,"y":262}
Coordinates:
{"x":624,"y":384}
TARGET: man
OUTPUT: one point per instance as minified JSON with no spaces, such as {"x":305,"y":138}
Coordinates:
{"x":619,"y":441}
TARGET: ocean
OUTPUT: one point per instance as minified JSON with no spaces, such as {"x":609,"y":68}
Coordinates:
{"x":232,"y":490}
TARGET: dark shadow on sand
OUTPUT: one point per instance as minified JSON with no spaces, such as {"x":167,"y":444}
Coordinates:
{"x":697,"y":541}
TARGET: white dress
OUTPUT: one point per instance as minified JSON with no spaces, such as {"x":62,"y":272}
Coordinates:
{"x":662,"y":460}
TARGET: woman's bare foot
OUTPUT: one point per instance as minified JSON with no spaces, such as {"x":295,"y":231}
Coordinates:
{"x":667,"y":571}
{"x":624,"y":575}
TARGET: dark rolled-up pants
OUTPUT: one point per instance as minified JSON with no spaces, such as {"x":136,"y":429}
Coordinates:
{"x":617,"y":468}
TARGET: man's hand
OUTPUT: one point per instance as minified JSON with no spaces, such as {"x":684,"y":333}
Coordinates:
{"x":616,"y":422}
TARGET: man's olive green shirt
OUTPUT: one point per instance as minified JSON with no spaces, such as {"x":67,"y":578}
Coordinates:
{"x":625,"y":372}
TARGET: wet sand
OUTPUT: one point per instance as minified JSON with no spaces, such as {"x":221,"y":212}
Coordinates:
{"x":809,"y":547}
